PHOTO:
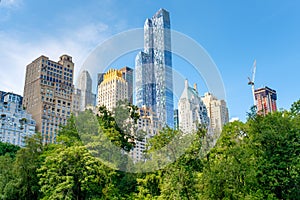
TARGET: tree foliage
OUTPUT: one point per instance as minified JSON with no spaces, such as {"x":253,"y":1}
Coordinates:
{"x":258,"y":159}
{"x":73,"y":173}
{"x":6,"y":148}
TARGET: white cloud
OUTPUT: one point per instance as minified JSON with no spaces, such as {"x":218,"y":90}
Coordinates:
{"x":10,"y":3}
{"x":16,"y":53}
{"x":233,"y":119}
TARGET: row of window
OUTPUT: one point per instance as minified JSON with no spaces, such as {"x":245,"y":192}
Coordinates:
{"x":53,"y":79}
{"x":55,"y":66}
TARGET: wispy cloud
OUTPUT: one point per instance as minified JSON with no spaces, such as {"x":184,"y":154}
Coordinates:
{"x":90,"y":32}
{"x":10,"y":3}
{"x":8,"y":7}
{"x":16,"y":53}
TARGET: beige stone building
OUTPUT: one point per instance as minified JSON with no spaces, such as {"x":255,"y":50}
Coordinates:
{"x":112,"y":89}
{"x":48,"y":94}
{"x":148,"y":126}
{"x":217,"y":112}
{"x":76,"y":101}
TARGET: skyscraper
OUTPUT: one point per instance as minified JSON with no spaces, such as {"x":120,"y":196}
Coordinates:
{"x":127,"y":74}
{"x":85,"y":86}
{"x":145,"y":82}
{"x":154,"y":79}
{"x":112,"y":89}
{"x":217,"y":112}
{"x":191,"y":110}
{"x":265,"y":100}
{"x":48,"y":94}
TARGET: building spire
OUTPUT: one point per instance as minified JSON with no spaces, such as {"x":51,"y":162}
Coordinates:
{"x":186,"y":83}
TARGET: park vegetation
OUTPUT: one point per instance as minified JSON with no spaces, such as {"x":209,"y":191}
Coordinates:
{"x":258,"y":159}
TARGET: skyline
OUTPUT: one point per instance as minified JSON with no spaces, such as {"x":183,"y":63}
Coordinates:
{"x":267,"y":32}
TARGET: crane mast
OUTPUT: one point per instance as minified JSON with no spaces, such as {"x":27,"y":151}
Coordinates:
{"x":251,"y":81}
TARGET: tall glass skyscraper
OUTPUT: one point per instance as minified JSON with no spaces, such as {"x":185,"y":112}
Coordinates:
{"x":154,"y":79}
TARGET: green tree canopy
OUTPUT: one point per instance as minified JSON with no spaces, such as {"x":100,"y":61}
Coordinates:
{"x":6,"y":148}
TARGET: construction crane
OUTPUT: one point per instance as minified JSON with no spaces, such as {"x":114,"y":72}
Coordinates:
{"x":251,"y":81}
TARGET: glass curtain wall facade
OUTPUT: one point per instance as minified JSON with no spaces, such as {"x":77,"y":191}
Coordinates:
{"x":154,"y":79}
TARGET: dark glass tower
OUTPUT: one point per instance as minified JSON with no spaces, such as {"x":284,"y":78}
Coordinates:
{"x":154,"y":79}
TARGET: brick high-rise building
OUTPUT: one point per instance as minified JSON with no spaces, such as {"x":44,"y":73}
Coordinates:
{"x":265,"y":100}
{"x":48,"y":94}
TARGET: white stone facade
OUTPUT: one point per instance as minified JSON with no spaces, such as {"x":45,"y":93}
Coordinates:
{"x":15,"y":124}
{"x":191,"y":110}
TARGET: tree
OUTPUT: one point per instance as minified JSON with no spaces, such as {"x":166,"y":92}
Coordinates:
{"x":179,"y":179}
{"x":295,"y":108}
{"x":276,"y":138}
{"x":6,"y":148}
{"x":72,"y":173}
{"x":68,"y":134}
{"x":259,"y":159}
{"x":113,"y":129}
{"x":229,"y":171}
{"x":6,"y":174}
{"x":24,"y":181}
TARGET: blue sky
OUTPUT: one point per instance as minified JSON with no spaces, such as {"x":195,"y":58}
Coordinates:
{"x":233,"y":32}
